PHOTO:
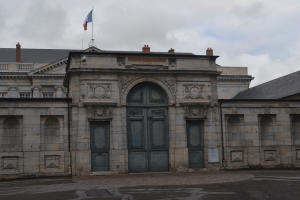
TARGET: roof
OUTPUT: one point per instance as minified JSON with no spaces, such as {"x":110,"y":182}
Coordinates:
{"x":51,"y":55}
{"x":275,"y":89}
{"x":34,"y":55}
{"x":142,"y":53}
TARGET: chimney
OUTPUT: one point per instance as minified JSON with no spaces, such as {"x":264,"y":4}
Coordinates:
{"x":18,"y":52}
{"x":171,"y":50}
{"x":146,"y":49}
{"x":209,"y":51}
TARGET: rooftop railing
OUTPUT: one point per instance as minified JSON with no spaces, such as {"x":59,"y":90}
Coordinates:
{"x":25,"y":66}
{"x":4,"y":66}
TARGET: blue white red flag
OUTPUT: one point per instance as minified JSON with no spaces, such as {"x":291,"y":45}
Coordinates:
{"x":89,"y":18}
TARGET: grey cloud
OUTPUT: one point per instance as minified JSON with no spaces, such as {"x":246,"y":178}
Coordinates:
{"x":43,"y":24}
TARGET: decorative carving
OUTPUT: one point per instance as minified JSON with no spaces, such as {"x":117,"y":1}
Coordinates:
{"x":124,"y":82}
{"x":237,"y":156}
{"x":147,"y":66}
{"x":193,"y":92}
{"x":195,"y":112}
{"x":121,"y":61}
{"x":95,"y":112}
{"x":135,"y":112}
{"x":100,"y":91}
{"x":158,"y":112}
{"x":171,"y":84}
{"x":172,"y":62}
{"x":270,"y":155}
{"x":100,"y":112}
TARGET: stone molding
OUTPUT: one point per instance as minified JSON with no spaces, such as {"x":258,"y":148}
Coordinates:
{"x":140,"y":66}
{"x":167,"y":83}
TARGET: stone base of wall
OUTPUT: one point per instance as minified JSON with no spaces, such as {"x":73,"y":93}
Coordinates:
{"x":37,"y":175}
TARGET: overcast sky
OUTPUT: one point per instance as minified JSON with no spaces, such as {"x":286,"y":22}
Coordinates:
{"x":262,"y":35}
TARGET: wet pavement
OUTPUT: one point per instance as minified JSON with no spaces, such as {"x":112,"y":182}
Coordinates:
{"x":239,"y":184}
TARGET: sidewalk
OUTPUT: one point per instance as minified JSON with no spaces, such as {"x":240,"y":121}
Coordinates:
{"x":153,"y":179}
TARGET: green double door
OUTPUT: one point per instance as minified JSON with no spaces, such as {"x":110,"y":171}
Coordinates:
{"x":147,"y":129}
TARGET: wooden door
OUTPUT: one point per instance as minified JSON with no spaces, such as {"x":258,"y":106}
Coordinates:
{"x":195,"y":143}
{"x":147,"y":129}
{"x":99,"y":144}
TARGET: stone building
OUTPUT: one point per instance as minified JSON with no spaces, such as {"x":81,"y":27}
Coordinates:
{"x":95,"y":111}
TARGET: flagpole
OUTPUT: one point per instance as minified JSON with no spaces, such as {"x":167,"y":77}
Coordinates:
{"x":93,"y":24}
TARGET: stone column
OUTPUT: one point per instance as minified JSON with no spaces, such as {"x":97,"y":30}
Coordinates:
{"x":36,"y":91}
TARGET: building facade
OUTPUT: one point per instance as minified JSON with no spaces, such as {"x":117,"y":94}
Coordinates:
{"x":104,"y":112}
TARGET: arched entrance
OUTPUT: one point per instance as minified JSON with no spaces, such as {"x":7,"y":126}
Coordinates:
{"x":147,"y":129}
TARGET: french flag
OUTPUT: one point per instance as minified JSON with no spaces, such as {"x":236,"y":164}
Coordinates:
{"x":89,"y":18}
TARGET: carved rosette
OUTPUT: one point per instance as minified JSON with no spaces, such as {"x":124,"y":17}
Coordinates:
{"x":195,"y":112}
{"x":99,"y":91}
{"x":193,"y":92}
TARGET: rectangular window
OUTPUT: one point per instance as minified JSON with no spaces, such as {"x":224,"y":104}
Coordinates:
{"x":25,"y":95}
{"x":48,"y":95}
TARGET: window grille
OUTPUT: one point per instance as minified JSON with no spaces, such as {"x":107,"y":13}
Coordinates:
{"x":25,"y":95}
{"x":48,"y":95}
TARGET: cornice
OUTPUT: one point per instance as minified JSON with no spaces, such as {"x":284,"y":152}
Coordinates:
{"x":14,"y":76}
{"x":48,"y":76}
{"x":49,"y":66}
{"x":28,"y":77}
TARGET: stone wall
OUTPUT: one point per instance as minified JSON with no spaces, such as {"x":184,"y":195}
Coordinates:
{"x":261,"y":134}
{"x":33,"y":138}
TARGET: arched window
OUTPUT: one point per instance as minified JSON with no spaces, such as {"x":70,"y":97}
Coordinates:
{"x":268,"y":136}
{"x":12,"y":138}
{"x":235,"y":130}
{"x":51,"y":131}
{"x":296,"y":129}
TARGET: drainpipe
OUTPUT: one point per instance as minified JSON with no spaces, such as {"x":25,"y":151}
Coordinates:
{"x":69,"y":140}
{"x":222,"y":135}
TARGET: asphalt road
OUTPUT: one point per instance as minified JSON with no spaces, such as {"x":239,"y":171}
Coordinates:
{"x":267,"y":184}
